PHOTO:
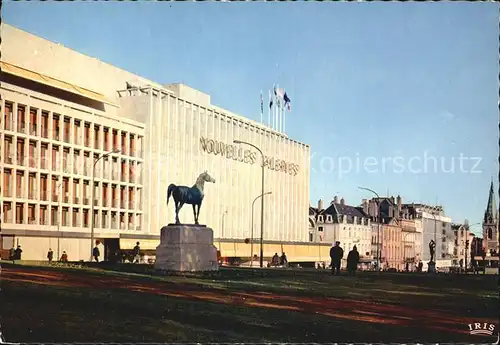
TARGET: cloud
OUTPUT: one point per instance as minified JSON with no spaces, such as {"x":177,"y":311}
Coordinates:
{"x":447,"y":116}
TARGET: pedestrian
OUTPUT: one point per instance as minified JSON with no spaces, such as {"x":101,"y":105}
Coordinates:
{"x":96,"y":254}
{"x":283,"y":260}
{"x":64,"y":257}
{"x":336,"y":254}
{"x":137,"y":253}
{"x":50,"y":255}
{"x":407,"y":267}
{"x":352,"y":261}
{"x":17,"y":253}
{"x":275,"y":261}
{"x":12,"y":254}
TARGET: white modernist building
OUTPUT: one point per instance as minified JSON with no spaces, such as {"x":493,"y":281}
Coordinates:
{"x":62,"y":110}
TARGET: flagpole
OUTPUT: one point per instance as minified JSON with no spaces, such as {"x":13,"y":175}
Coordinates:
{"x":269,"y":111}
{"x":284,"y":112}
{"x":276,"y":108}
{"x":261,"y":107}
{"x":279,"y":107}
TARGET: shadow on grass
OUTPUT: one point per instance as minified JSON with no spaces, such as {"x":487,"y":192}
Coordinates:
{"x":95,"y":306}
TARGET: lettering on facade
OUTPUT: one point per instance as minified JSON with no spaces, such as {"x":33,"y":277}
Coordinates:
{"x":234,"y":152}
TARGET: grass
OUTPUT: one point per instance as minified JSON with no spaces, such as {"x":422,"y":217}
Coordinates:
{"x":127,"y":303}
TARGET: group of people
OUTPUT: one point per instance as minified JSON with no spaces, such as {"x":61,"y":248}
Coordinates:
{"x":337,"y":253}
{"x":15,"y":254}
{"x":279,"y":260}
{"x":50,"y":256}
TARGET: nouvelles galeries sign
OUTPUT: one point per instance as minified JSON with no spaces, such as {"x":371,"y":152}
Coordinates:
{"x":234,"y":152}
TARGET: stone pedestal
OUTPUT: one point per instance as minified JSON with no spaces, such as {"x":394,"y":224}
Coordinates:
{"x":186,"y":248}
{"x":431,"y":267}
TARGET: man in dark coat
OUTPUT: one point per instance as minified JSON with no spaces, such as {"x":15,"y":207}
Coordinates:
{"x":336,"y":254}
{"x":352,"y":261}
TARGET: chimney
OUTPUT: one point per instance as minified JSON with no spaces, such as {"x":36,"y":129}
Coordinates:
{"x":320,"y":205}
{"x":335,"y":199}
{"x":364,"y":204}
{"x":398,"y":199}
{"x":342,"y":201}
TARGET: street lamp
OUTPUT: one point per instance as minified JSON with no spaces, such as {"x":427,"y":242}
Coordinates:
{"x":251,"y":237}
{"x":378,"y":228}
{"x":404,"y":246}
{"x":92,"y":201}
{"x":222,"y":232}
{"x":467,"y":244}
{"x":262,"y":203}
{"x":59,"y":220}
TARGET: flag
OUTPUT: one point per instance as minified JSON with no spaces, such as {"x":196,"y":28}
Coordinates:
{"x":270,"y":100}
{"x":287,"y":101}
{"x":279,"y":92}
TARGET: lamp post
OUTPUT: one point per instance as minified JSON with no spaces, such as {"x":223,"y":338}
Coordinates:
{"x":435,"y":237}
{"x":262,"y":203}
{"x":378,"y":228}
{"x":404,"y":246}
{"x":59,"y":221}
{"x":251,"y":235}
{"x":467,"y":244}
{"x":92,"y":200}
{"x":222,"y":232}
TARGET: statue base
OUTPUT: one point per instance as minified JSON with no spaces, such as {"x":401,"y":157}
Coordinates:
{"x":431,"y":267}
{"x":186,"y":248}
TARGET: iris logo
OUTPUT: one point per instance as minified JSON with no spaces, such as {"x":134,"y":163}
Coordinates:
{"x":481,"y":328}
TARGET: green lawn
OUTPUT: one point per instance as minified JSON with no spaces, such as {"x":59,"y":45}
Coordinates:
{"x":129,"y":304}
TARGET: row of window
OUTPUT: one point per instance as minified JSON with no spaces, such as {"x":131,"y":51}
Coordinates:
{"x":69,"y":190}
{"x":343,"y":219}
{"x":70,"y":160}
{"x":46,"y":124}
{"x":68,"y":217}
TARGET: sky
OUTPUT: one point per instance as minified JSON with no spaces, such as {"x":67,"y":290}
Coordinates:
{"x":377,"y":89}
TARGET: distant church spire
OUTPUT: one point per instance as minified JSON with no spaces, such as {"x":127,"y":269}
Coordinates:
{"x":490,"y":215}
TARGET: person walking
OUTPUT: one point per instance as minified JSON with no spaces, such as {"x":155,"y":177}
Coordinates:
{"x":50,"y":255}
{"x":137,"y":253}
{"x":96,"y":254}
{"x":352,"y":261}
{"x":336,"y":254}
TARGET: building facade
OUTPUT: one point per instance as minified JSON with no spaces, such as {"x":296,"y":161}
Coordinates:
{"x":61,"y":119}
{"x":461,"y":246}
{"x":347,"y":224}
{"x":436,"y":226}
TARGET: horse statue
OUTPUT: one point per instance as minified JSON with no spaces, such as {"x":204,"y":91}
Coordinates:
{"x":185,"y":195}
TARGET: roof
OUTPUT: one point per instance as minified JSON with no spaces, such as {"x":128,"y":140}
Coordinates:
{"x":345,"y":210}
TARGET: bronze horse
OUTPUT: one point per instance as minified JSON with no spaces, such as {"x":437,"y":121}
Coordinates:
{"x":186,"y":195}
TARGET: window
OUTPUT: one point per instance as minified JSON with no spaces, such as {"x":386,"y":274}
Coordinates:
{"x":490,"y":234}
{"x":310,"y":237}
{"x":320,"y":229}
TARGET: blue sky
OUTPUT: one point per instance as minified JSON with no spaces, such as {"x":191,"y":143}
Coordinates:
{"x":375,"y":80}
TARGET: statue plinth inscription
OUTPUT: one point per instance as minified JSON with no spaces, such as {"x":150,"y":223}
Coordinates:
{"x":186,"y":248}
